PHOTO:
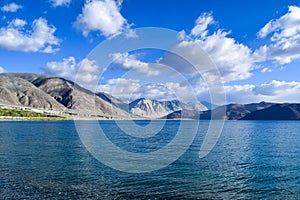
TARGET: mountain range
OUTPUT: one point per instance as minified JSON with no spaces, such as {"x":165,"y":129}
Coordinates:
{"x":283,"y":112}
{"x":52,"y":93}
{"x":59,"y":94}
{"x":158,"y":109}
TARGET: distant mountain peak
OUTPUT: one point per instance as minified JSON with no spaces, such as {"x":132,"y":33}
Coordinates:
{"x":156,"y":109}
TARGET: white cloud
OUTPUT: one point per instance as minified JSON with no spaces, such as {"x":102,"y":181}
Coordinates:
{"x":286,"y":26}
{"x":132,"y":89}
{"x":121,"y":88}
{"x":17,"y":23}
{"x":88,"y":71}
{"x":181,"y":35}
{"x":84,"y":71}
{"x":40,"y":39}
{"x":266,"y":69}
{"x":182,"y":92}
{"x":241,"y":94}
{"x":274,"y":91}
{"x":56,"y":3}
{"x":13,"y":7}
{"x":201,"y":25}
{"x":233,"y":59}
{"x":279,"y":88}
{"x":2,"y":70}
{"x":284,"y":35}
{"x":131,"y":34}
{"x":88,"y":65}
{"x":65,"y":68}
{"x":164,"y":92}
{"x":130,"y":62}
{"x":155,"y":91}
{"x":103,"y":16}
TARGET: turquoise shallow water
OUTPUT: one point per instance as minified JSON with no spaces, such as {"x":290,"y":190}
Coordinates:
{"x":252,"y":160}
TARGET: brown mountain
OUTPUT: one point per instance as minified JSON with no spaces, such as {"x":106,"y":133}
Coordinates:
{"x":15,"y":90}
{"x":228,"y":112}
{"x":234,"y":111}
{"x":113,"y":100}
{"x":276,"y":112}
{"x":50,"y":92}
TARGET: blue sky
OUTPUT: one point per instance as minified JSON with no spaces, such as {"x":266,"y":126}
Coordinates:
{"x":254,"y":44}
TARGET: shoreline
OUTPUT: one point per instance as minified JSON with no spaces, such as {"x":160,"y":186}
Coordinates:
{"x":12,"y":118}
{"x":24,"y":119}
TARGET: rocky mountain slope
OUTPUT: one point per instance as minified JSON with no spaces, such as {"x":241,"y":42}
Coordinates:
{"x":234,"y":111}
{"x":157,"y":109}
{"x":276,"y":112}
{"x":113,"y":100}
{"x":228,"y":112}
{"x":208,"y":105}
{"x":15,"y":90}
{"x":183,"y":114}
{"x":54,"y":93}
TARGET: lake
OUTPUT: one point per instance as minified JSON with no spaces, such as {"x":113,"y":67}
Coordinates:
{"x":251,"y":160}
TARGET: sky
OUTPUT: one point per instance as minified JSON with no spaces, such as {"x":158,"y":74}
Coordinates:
{"x":254,"y":45}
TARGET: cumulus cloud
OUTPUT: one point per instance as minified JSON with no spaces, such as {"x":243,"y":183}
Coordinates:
{"x":233,"y":59}
{"x":132,"y":89}
{"x":201,"y":25}
{"x":286,"y":26}
{"x":164,"y":92}
{"x":84,"y":71}
{"x":12,"y":7}
{"x":121,"y":88}
{"x":65,"y":68}
{"x":284,"y":35}
{"x":155,"y":91}
{"x":241,"y":94}
{"x":274,"y":91}
{"x":103,"y":16}
{"x":276,"y":88}
{"x":17,"y":23}
{"x":131,"y":62}
{"x":2,"y":70}
{"x":40,"y":39}
{"x":56,"y":3}
{"x":182,"y":92}
{"x":88,"y":71}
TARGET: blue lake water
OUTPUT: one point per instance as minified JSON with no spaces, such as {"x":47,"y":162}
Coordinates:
{"x":251,"y":160}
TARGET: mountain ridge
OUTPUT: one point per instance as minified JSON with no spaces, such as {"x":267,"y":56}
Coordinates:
{"x":158,"y":109}
{"x":57,"y":94}
{"x":47,"y":92}
{"x":283,"y":112}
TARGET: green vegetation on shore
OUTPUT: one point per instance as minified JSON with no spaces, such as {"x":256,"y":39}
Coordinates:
{"x":28,"y":115}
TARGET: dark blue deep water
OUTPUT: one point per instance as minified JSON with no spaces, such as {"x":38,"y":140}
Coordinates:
{"x":252,"y":160}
